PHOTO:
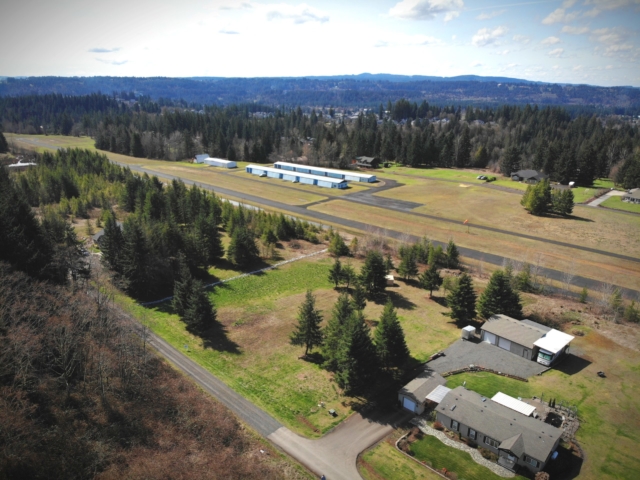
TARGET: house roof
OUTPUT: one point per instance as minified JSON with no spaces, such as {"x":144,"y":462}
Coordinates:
{"x":527,"y":174}
{"x":554,"y":341}
{"x":367,"y":160}
{"x":524,"y":334}
{"x":514,"y":404}
{"x":422,"y":385}
{"x":537,"y":439}
{"x":438,"y":393}
{"x":634,"y":194}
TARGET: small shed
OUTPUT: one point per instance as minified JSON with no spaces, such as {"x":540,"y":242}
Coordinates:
{"x":390,"y":280}
{"x":413,"y":396}
{"x":468,"y":332}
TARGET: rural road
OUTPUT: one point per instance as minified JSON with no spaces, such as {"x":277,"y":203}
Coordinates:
{"x":324,"y":218}
{"x":333,"y":455}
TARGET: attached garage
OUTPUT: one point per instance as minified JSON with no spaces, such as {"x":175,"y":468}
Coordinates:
{"x":413,"y":396}
{"x":489,"y":338}
{"x":504,"y":344}
{"x":409,"y":404}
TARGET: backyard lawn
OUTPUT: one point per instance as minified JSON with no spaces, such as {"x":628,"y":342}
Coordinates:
{"x":618,"y":204}
{"x":385,"y":462}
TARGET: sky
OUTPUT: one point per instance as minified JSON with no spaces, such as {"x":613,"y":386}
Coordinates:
{"x":595,"y":42}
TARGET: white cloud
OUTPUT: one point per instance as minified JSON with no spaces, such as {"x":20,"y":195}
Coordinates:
{"x":103,"y":50}
{"x":512,"y":65}
{"x":560,"y":15}
{"x":487,"y":36}
{"x":489,"y":16}
{"x":568,"y":3}
{"x":550,"y":41}
{"x":426,"y":9}
{"x":575,"y":30}
{"x":557,"y":53}
{"x":503,"y":52}
{"x":609,"y":67}
{"x":475,"y":64}
{"x":112,"y":62}
{"x":577,"y":68}
{"x":229,"y":32}
{"x":300,"y":14}
{"x":522,"y":39}
{"x":408,"y":41}
{"x":236,"y":6}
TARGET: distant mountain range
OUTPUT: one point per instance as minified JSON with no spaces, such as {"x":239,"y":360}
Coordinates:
{"x":364,"y":90}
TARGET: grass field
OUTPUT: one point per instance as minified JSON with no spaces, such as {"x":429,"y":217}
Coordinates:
{"x":582,"y":194}
{"x":618,"y":204}
{"x":384,"y":462}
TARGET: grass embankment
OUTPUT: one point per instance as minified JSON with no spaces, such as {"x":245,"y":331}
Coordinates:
{"x":609,"y":408}
{"x":384,"y":462}
{"x":618,"y":204}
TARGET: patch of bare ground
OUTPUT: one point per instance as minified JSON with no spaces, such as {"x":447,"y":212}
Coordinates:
{"x":569,"y":314}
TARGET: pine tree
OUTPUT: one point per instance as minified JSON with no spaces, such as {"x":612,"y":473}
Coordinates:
{"x":347,"y":275}
{"x":111,"y":243}
{"x":389,"y":339}
{"x":242,"y":248}
{"x":430,"y":279}
{"x":388,"y":264}
{"x":337,"y":247}
{"x":4,"y":146}
{"x":537,"y":198}
{"x":372,"y":274}
{"x":200,"y":314}
{"x":342,"y":310}
{"x":453,"y":256}
{"x":183,"y":286}
{"x":134,"y":257}
{"x":136,"y":146}
{"x":562,"y":202}
{"x":462,"y":300}
{"x":357,"y":359}
{"x":408,"y":267}
{"x":510,"y":161}
{"x":335,"y":273}
{"x":499,"y":298}
{"x":359,"y":297}
{"x":308,"y":331}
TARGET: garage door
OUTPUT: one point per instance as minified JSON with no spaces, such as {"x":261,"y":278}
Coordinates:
{"x":490,"y":337}
{"x":409,"y":404}
{"x":506,"y":344}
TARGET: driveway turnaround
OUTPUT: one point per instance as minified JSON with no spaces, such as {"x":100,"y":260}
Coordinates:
{"x":333,"y":455}
{"x":464,"y":353}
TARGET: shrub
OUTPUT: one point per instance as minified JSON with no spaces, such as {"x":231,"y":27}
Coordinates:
{"x":488,"y":454}
{"x":542,"y":476}
{"x":438,"y":426}
{"x":491,"y":179}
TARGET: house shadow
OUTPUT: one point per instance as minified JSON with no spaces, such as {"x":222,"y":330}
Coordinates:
{"x":571,"y":364}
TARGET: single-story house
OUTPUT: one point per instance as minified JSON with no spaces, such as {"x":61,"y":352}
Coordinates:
{"x":525,"y":338}
{"x":367,"y":162}
{"x":413,"y":396}
{"x":633,"y":197}
{"x":516,"y":438}
{"x":528,"y":176}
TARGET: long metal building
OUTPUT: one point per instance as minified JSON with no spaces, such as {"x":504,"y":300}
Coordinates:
{"x":296,"y":177}
{"x":326,"y":172}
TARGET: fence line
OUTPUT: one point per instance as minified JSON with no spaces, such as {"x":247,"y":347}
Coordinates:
{"x":271,"y":267}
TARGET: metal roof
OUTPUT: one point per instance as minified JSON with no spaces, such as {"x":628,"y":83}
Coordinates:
{"x":438,"y":393}
{"x":514,"y":404}
{"x":554,"y":341}
{"x":328,"y":170}
{"x":296,"y":174}
{"x":524,"y":334}
{"x":419,"y":387}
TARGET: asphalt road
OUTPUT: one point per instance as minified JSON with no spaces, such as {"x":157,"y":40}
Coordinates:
{"x":327,"y":219}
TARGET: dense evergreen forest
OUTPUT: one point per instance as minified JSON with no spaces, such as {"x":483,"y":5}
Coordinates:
{"x":568,"y":147}
{"x":340,"y":91}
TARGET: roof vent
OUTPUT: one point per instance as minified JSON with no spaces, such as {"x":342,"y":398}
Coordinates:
{"x":453,"y":408}
{"x":484,"y":399}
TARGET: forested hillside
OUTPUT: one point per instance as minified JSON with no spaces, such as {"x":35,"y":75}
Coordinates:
{"x":81,"y":393}
{"x":339,"y":91}
{"x":568,"y":147}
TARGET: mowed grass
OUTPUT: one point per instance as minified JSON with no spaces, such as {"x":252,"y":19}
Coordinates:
{"x":582,"y":194}
{"x":431,"y":450}
{"x":617,"y":204}
{"x":609,"y":408}
{"x":561,"y":258}
{"x":384,"y":462}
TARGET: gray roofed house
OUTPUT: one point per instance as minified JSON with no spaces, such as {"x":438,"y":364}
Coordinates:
{"x":413,"y":396}
{"x":516,"y":439}
{"x":368,"y":162}
{"x":528,"y":176}
{"x":633,"y":197}
{"x":517,"y":331}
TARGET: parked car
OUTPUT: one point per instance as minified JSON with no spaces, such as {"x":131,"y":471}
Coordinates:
{"x":481,"y":177}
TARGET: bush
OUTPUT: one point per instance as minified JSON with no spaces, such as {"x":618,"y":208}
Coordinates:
{"x":488,"y":454}
{"x":491,"y":179}
{"x":438,"y":426}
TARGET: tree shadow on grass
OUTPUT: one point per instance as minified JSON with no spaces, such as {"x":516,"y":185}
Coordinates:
{"x":313,"y":357}
{"x":442,"y":301}
{"x":398,"y":300}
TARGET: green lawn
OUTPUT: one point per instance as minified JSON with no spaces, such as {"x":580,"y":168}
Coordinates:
{"x":440,"y":173}
{"x":618,"y":204}
{"x":582,"y":194}
{"x":385,"y":462}
{"x":438,"y":455}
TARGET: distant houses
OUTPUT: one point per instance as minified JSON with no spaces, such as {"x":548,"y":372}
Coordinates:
{"x":367,"y":162}
{"x":528,"y":176}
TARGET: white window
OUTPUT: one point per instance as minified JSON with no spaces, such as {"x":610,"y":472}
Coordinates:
{"x":455,"y":425}
{"x":532,"y":461}
{"x":472,"y":433}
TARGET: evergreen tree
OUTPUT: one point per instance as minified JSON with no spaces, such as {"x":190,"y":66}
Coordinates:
{"x":453,"y":256}
{"x":347,"y":275}
{"x":537,"y":198}
{"x":335,"y":273}
{"x":182,"y":287}
{"x":510,"y":161}
{"x":136,"y":146}
{"x":464,"y":148}
{"x":357,"y":359}
{"x":499,"y":298}
{"x":481,"y":158}
{"x":562,"y":202}
{"x":308,"y":331}
{"x":111,"y":243}
{"x":430,"y":279}
{"x":436,"y":256}
{"x":200,"y":314}
{"x":134,"y":257}
{"x":342,"y":310}
{"x":242,"y":248}
{"x":4,"y":146}
{"x":462,"y":300}
{"x":372,"y":274}
{"x":408,"y":267}
{"x":337,"y":247}
{"x":359,"y":297}
{"x":389,"y":339}
{"x":388,"y":264}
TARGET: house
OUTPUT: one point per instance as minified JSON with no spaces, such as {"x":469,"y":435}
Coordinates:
{"x":517,"y":439}
{"x":633,"y":197}
{"x":413,"y":396}
{"x":528,"y":176}
{"x":526,"y":339}
{"x":367,"y":162}
{"x":200,"y":158}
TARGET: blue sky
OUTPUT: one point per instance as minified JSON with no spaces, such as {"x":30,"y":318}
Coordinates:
{"x":574,"y":41}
